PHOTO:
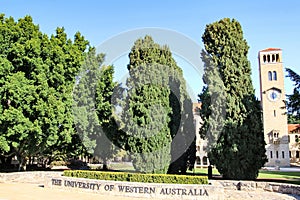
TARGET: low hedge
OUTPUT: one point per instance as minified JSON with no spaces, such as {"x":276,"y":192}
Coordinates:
{"x":135,"y":177}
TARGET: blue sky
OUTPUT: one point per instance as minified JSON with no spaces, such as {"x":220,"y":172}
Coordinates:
{"x":265,"y":24}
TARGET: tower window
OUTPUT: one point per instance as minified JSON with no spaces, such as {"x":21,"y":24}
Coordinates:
{"x":290,"y":154}
{"x":276,"y":154}
{"x":273,"y":57}
{"x":268,"y":58}
{"x":277,"y":57}
{"x":270,"y":76}
{"x":282,"y":154}
{"x":274,"y":75}
{"x":297,"y":154}
{"x":264,"y":58}
{"x":274,"y":113}
{"x":296,"y":138}
{"x":271,"y":154}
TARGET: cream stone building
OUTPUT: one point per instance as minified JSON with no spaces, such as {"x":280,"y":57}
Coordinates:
{"x":273,"y":106}
{"x":294,"y":139}
{"x":201,"y":145}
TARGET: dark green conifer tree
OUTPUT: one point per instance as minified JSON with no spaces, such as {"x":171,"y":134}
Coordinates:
{"x":293,"y":103}
{"x":238,"y":152}
{"x":92,"y":106}
{"x":157,"y":126}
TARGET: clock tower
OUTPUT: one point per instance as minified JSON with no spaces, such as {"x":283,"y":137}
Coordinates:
{"x":274,"y":112}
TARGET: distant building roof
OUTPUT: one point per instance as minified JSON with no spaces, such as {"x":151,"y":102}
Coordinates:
{"x":293,"y":128}
{"x":196,"y":107}
{"x":270,"y":49}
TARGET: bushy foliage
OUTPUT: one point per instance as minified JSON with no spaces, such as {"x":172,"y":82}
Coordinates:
{"x":238,"y":148}
{"x":157,"y":120}
{"x":135,"y":177}
{"x":293,"y":103}
{"x":37,"y":73}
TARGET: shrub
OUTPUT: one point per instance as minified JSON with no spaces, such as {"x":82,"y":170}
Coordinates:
{"x":58,"y":163}
{"x":77,"y":164}
{"x":135,"y":177}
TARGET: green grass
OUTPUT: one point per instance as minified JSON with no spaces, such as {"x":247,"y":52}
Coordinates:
{"x":278,"y":176}
{"x":203,"y":171}
{"x":272,"y":176}
{"x":121,"y":167}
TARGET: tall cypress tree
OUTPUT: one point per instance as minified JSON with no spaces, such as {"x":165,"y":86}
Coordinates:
{"x":92,"y":106}
{"x":152,"y":115}
{"x":239,"y":150}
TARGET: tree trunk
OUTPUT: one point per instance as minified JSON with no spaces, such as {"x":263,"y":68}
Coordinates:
{"x":105,"y":168}
{"x":6,"y":162}
{"x":22,"y":163}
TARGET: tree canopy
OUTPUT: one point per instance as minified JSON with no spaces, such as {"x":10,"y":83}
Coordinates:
{"x":239,"y":149}
{"x":293,"y":103}
{"x":37,"y":73}
{"x":153,"y":108}
{"x":92,"y":107}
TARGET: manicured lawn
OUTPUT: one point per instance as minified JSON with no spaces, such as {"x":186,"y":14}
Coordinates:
{"x":203,"y":171}
{"x":278,"y":176}
{"x":121,"y":166}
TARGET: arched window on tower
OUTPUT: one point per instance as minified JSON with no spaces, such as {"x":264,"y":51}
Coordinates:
{"x":269,"y":58}
{"x":264,"y":58}
{"x":274,"y":75}
{"x":273,"y":57}
{"x":277,"y":58}
{"x":270,"y":76}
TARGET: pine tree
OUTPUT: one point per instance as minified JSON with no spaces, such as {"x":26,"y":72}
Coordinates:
{"x":293,"y":104}
{"x":92,"y":106}
{"x":239,"y":150}
{"x":152,"y":114}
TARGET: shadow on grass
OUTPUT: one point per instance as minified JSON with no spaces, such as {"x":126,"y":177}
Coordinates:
{"x":268,"y":176}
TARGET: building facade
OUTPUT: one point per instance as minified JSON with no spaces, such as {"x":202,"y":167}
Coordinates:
{"x":201,"y":145}
{"x":273,"y":106}
{"x":294,"y":139}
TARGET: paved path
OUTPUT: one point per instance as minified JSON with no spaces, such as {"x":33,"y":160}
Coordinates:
{"x":25,"y":191}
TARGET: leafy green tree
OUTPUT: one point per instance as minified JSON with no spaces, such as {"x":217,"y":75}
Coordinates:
{"x":293,"y":104}
{"x":153,"y":128}
{"x":92,"y":106}
{"x":37,"y":74}
{"x":239,"y":150}
{"x":105,"y":112}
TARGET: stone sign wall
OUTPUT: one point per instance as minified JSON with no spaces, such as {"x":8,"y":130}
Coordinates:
{"x":215,"y":190}
{"x":36,"y":177}
{"x":134,"y":189}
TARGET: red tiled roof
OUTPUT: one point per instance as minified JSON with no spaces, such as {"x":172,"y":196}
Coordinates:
{"x":293,"y":127}
{"x":270,"y":49}
{"x":196,"y":106}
